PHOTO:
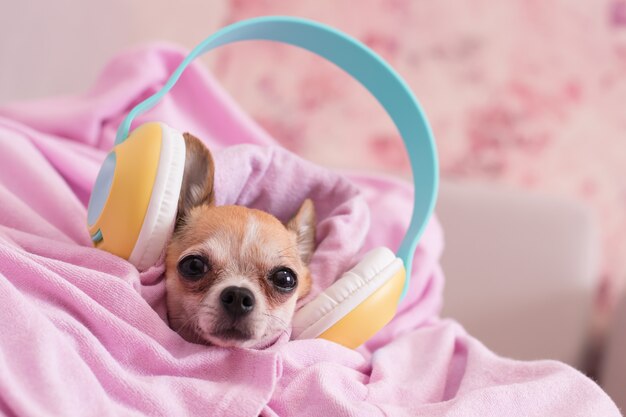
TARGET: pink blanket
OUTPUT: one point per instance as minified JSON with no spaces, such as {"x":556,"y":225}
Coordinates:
{"x":83,"y":333}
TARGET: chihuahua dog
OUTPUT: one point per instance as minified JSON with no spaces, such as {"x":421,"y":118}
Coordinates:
{"x":233,"y":274}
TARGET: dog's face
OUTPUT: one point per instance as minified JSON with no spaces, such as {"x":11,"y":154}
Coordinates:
{"x":233,"y":274}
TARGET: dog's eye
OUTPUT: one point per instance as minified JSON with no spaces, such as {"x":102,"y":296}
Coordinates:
{"x":284,"y":279}
{"x":193,"y":267}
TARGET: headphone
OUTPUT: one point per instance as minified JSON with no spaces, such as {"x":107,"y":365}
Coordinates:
{"x":132,"y":208}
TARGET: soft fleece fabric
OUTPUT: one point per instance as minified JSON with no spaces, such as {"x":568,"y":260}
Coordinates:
{"x":83,"y":333}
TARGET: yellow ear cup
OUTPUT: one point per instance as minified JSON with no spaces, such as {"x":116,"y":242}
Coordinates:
{"x":366,"y":319}
{"x":133,"y":204}
{"x":357,"y":305}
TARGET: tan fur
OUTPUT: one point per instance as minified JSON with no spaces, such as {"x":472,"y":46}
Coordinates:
{"x":197,"y":187}
{"x":243,"y":246}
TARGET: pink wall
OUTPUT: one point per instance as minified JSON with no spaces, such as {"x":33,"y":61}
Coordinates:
{"x":527,"y":93}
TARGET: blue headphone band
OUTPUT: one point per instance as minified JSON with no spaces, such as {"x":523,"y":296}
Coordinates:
{"x":366,"y":67}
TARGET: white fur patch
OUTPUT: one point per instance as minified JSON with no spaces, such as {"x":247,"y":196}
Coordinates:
{"x":218,"y":247}
{"x":252,"y":233}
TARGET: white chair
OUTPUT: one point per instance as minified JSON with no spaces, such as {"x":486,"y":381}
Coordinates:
{"x":520,"y":269}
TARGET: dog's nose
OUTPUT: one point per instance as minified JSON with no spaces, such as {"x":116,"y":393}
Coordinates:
{"x":237,"y":301}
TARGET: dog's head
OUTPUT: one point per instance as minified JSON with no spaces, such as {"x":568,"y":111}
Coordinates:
{"x":233,"y":274}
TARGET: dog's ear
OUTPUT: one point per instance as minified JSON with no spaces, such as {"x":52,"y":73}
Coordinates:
{"x":197,"y":188}
{"x":303,"y":225}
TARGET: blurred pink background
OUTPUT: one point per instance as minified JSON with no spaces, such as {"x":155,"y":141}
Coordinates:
{"x":528,"y":93}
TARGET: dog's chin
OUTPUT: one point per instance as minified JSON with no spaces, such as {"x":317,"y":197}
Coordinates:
{"x":233,"y":337}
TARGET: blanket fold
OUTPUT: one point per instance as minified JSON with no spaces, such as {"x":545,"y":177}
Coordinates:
{"x":84,"y":333}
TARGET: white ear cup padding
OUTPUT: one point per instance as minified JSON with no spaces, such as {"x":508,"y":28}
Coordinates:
{"x":355,"y":286}
{"x":161,"y":214}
